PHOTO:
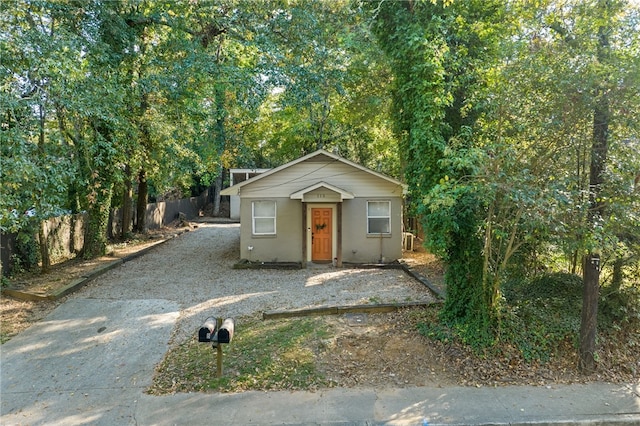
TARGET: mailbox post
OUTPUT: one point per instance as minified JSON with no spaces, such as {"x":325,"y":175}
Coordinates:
{"x":224,"y":335}
{"x":218,"y":332}
{"x":218,"y":347}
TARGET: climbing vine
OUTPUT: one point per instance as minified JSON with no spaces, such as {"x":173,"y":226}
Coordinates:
{"x":440,"y":52}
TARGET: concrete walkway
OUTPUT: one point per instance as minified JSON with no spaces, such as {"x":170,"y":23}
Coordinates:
{"x":88,"y":362}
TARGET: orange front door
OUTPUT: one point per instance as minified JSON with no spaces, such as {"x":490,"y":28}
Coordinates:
{"x":321,"y":231}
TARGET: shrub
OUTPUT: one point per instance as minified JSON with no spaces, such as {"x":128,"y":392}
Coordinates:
{"x":26,"y":254}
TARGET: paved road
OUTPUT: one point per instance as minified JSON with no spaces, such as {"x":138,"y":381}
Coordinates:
{"x":90,"y":360}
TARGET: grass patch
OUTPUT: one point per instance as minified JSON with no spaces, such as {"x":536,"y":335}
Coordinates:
{"x":271,"y":355}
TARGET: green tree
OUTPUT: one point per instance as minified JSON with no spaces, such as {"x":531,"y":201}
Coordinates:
{"x":38,"y":54}
{"x":230,"y":86}
{"x":597,"y":35}
{"x":498,"y":110}
{"x":328,"y":87}
{"x":581,"y":83}
{"x":440,"y":53}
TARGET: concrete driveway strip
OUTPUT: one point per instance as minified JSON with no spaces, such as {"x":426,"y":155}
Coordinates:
{"x":88,"y":362}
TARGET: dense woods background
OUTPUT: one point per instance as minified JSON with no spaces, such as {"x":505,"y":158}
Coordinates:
{"x":515,"y":125}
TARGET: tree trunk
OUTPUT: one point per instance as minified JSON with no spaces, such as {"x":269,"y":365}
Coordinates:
{"x":220,"y":141}
{"x":97,"y":221}
{"x":99,"y":195}
{"x":127,"y":202}
{"x":617,"y":275}
{"x":574,"y":262}
{"x":589,"y":320}
{"x":591,"y":272}
{"x":217,"y":187}
{"x":141,"y":207}
{"x":44,"y":243}
{"x":44,"y":248}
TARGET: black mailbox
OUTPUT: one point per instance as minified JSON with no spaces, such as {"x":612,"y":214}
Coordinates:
{"x":207,"y":330}
{"x":225,"y":334}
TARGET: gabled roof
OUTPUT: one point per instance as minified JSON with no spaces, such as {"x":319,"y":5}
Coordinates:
{"x":344,"y":195}
{"x":235,"y":189}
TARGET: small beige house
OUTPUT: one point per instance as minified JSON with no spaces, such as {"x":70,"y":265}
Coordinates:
{"x":320,"y":208}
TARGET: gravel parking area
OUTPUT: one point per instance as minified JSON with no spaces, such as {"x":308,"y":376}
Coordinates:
{"x":196,"y":271}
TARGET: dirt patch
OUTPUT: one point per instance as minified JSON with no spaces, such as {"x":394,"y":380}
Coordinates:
{"x":388,"y":351}
{"x":383,"y":351}
{"x":426,"y":264}
{"x":18,"y":315}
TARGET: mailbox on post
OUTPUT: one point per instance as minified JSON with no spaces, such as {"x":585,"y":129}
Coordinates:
{"x":225,"y":333}
{"x":216,"y":331}
{"x":207,"y":330}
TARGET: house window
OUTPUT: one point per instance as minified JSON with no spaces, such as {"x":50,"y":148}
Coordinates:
{"x":264,"y":217}
{"x":378,"y":217}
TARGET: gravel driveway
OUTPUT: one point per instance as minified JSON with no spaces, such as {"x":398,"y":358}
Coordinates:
{"x":196,"y":271}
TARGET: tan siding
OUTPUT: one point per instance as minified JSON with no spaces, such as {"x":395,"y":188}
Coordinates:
{"x":360,"y":247}
{"x":306,"y":174}
{"x":322,"y":195}
{"x":285,"y":246}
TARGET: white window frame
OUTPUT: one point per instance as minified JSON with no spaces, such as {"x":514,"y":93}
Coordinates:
{"x":254,"y":217}
{"x":388,"y":217}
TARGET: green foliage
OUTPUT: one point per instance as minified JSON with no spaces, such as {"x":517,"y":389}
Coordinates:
{"x":4,"y":282}
{"x":556,"y":285}
{"x":467,"y":306}
{"x":543,"y":314}
{"x":537,"y":329}
{"x":327,"y":88}
{"x":540,"y":318}
{"x":27,"y":255}
{"x":492,"y":120}
{"x":34,"y":167}
{"x":620,"y":306}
